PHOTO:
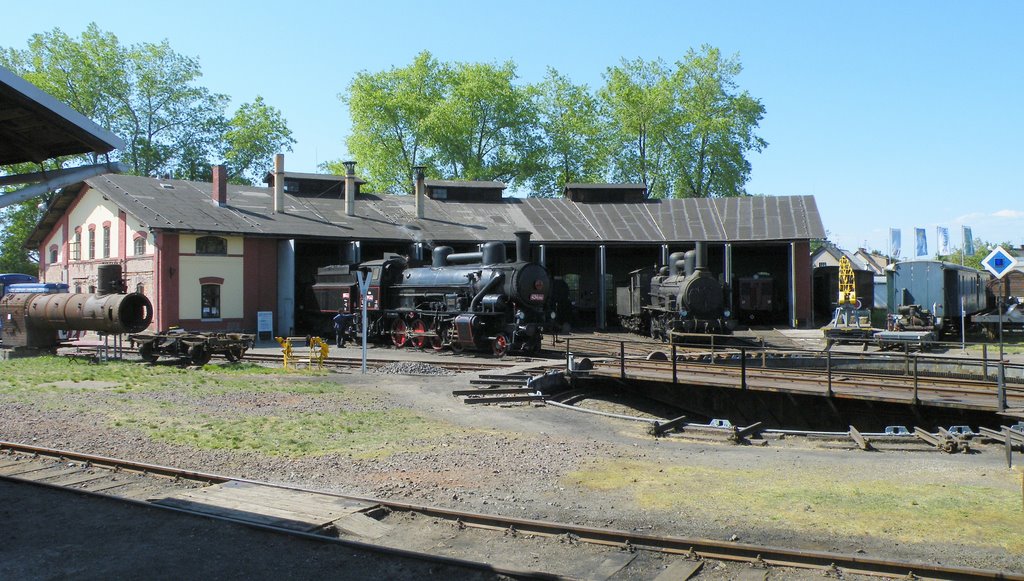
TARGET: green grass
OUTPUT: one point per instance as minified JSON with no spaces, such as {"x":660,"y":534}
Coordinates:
{"x":362,"y":434}
{"x":972,"y":511}
{"x":187,"y":406}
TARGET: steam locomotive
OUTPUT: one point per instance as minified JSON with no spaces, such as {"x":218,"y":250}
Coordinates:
{"x":681,"y":297}
{"x":477,"y":300}
{"x":34,"y":319}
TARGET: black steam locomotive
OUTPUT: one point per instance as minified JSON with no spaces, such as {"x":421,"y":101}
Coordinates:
{"x":681,"y":297}
{"x":475,"y":300}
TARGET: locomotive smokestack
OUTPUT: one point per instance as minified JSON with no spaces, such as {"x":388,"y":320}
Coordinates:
{"x":702,"y":256}
{"x":523,"y":246}
{"x":350,"y":188}
{"x":421,"y":190}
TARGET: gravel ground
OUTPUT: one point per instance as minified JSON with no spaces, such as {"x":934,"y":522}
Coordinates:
{"x":512,"y":460}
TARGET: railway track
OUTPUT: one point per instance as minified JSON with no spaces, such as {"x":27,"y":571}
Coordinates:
{"x":335,"y":518}
{"x":356,"y":362}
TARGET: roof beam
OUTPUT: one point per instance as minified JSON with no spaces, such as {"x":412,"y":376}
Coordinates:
{"x":53,"y":181}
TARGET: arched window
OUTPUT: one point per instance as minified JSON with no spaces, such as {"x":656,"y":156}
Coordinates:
{"x":211,"y":245}
{"x":92,"y":241}
{"x":76,"y":245}
{"x":53,"y":254}
{"x":140,"y":245}
{"x":106,"y":241}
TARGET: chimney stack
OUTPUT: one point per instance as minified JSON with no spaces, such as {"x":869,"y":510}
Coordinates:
{"x":279,"y":183}
{"x":523,"y":246}
{"x":421,"y":190}
{"x":350,"y":187}
{"x":220,"y":185}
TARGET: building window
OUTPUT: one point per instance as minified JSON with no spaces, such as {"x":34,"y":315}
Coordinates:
{"x":211,"y":245}
{"x":92,"y":244}
{"x":106,"y":242}
{"x":211,"y":301}
{"x":140,"y":246}
{"x":53,"y":254}
{"x":76,"y":245}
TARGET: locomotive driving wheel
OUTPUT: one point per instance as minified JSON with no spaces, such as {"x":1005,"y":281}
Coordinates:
{"x":418,"y":334}
{"x":436,"y":340}
{"x":399,"y":333}
{"x":500,"y":345}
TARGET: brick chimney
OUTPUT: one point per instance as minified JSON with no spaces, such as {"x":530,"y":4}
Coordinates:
{"x":220,"y":185}
{"x":350,"y":188}
{"x":279,"y":183}
{"x":421,"y":190}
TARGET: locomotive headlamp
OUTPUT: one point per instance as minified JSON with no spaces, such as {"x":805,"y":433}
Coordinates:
{"x":683,"y":312}
{"x":538,"y":284}
{"x":726,"y":313}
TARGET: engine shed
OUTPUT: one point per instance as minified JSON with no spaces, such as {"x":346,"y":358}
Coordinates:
{"x":214,"y":255}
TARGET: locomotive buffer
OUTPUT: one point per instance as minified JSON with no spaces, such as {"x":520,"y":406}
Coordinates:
{"x":846,"y":323}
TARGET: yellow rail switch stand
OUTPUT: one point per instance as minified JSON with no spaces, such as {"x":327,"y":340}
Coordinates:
{"x":286,"y":350}
{"x":318,"y":351}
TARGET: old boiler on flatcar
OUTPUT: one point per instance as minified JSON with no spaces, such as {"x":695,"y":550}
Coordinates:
{"x":683,"y":296}
{"x":474,"y":300}
{"x":34,"y":319}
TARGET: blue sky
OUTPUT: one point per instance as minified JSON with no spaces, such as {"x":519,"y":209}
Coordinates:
{"x":892,"y":114}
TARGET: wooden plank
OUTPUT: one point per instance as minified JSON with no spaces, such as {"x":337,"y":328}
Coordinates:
{"x":680,"y":570}
{"x":11,"y":461}
{"x":601,"y":567}
{"x":360,"y":525}
{"x":23,"y":468}
{"x":49,"y":473}
{"x":80,"y":478}
{"x":862,"y":442}
{"x":191,"y":506}
{"x":301,"y":498}
{"x":207,"y":497}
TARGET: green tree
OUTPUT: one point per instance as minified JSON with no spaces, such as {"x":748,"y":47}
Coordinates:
{"x":17,"y":221}
{"x":388,"y":110}
{"x":638,"y":97}
{"x":571,"y":129}
{"x":255,"y":133}
{"x":149,"y":95}
{"x":485,"y":127}
{"x":712,"y":126}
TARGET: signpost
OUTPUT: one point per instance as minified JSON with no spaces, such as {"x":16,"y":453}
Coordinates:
{"x":364,"y":289}
{"x":264,"y":324}
{"x":999,"y":262}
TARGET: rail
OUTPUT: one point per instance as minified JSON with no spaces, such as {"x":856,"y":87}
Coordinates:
{"x":917,"y":370}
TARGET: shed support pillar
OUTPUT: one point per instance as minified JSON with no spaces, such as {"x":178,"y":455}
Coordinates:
{"x":792,"y":285}
{"x":602,"y":268}
{"x":727,"y":277}
{"x":543,"y":255}
{"x":285,"y":287}
{"x":663,"y":260}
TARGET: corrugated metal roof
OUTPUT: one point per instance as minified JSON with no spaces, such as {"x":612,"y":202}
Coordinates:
{"x":188,"y":206}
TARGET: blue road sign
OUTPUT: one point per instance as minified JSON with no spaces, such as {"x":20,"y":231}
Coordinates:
{"x":999,"y":262}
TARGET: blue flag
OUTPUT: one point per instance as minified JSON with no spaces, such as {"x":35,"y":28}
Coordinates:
{"x":968,"y":241}
{"x":895,"y":244}
{"x":922,"y":242}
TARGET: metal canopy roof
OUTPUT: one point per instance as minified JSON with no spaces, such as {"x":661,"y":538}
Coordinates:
{"x":35,"y":127}
{"x":179,"y":205}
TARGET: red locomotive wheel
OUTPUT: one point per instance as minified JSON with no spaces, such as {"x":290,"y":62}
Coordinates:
{"x":436,"y":341}
{"x":399,"y":333}
{"x":500,"y":345}
{"x":418,"y":336}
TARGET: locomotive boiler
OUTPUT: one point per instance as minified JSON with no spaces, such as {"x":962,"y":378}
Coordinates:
{"x":475,"y":300}
{"x":33,"y":320}
{"x":683,"y":296}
